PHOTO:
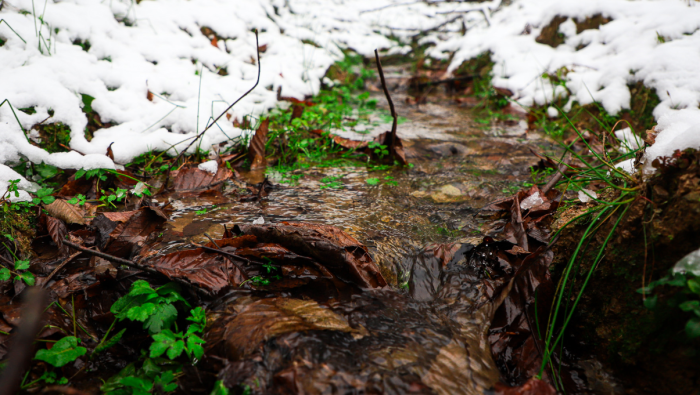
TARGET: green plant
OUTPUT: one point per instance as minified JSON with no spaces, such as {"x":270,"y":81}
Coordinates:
{"x":19,"y":271}
{"x":79,"y":200}
{"x":156,"y":309}
{"x":331,"y":182}
{"x":63,"y":351}
{"x":688,"y":299}
{"x":379,"y":149}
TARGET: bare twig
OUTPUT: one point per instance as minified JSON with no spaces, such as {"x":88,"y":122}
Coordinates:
{"x":232,"y":255}
{"x":64,"y":263}
{"x":391,"y":103}
{"x":133,"y":265}
{"x":167,"y":175}
{"x":560,"y":173}
{"x":212,"y":241}
{"x":22,"y":348}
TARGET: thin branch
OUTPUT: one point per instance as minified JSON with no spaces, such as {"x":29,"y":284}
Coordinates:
{"x":133,"y":265}
{"x":64,"y":263}
{"x":391,"y":103}
{"x":257,"y":47}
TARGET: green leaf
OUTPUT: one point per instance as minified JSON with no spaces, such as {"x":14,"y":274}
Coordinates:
{"x":21,"y":265}
{"x":63,"y":351}
{"x":109,"y":343}
{"x":137,"y":382}
{"x":161,"y":343}
{"x":141,"y":313}
{"x":690,"y":305}
{"x":372,"y":181}
{"x":219,"y":389}
{"x":87,"y":103}
{"x":5,"y":274}
{"x":48,"y":199}
{"x":198,"y":315}
{"x":694,"y":286}
{"x":27,"y":277}
{"x":79,"y":174}
{"x":46,"y":171}
{"x":149,"y":368}
{"x":194,"y":345}
{"x":43,"y":192}
{"x":650,"y":302}
{"x":163,"y":316}
{"x":176,"y":349}
{"x":692,"y":328}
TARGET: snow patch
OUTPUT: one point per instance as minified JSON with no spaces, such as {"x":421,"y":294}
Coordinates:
{"x":211,"y":166}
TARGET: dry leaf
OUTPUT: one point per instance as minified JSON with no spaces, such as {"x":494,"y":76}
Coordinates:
{"x":256,"y":151}
{"x":69,"y":213}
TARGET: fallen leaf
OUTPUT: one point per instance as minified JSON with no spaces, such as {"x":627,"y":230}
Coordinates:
{"x":338,"y":252}
{"x":256,"y":151}
{"x":69,"y":213}
{"x":195,"y":179}
{"x":58,"y":231}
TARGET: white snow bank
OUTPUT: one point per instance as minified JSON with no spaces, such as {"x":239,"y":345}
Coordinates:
{"x":651,"y":41}
{"x":211,"y":166}
{"x":160,"y":46}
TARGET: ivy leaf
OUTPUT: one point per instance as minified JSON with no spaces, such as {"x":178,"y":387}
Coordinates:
{"x":162,"y":317}
{"x":5,"y":274}
{"x":63,"y":351}
{"x":692,"y":328}
{"x":372,"y":181}
{"x":165,"y":381}
{"x":694,"y":286}
{"x":141,"y":313}
{"x":150,"y":369}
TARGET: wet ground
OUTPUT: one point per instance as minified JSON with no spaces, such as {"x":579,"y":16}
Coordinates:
{"x":461,"y":168}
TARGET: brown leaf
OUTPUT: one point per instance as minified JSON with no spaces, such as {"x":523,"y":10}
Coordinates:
{"x":58,"y":231}
{"x":207,"y":270}
{"x":110,"y":153}
{"x":261,"y":320}
{"x":81,"y":186}
{"x":128,"y":235}
{"x":342,"y":141}
{"x":69,"y":213}
{"x":149,"y":95}
{"x":531,"y":387}
{"x":192,"y":178}
{"x":340,"y":253}
{"x":297,"y":111}
{"x":256,"y":151}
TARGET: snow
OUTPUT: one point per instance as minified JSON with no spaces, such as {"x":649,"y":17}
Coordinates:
{"x":211,"y":166}
{"x":586,"y":195}
{"x":531,"y":201}
{"x":160,"y":47}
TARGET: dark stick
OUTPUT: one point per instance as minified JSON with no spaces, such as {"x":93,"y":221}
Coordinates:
{"x":212,"y":241}
{"x":391,"y":103}
{"x":560,"y":173}
{"x":64,"y":263}
{"x":22,"y":348}
{"x":226,"y":253}
{"x":167,"y":174}
{"x":133,"y":265}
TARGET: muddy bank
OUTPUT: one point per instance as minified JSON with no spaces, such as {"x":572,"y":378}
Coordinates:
{"x":645,"y":347}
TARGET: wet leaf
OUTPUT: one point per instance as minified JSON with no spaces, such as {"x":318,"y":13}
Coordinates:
{"x":58,"y":231}
{"x":63,"y":351}
{"x":69,"y":213}
{"x":123,"y":234}
{"x":256,"y":150}
{"x":196,"y":179}
{"x":338,"y":252}
{"x":260,"y":320}
{"x":166,"y":342}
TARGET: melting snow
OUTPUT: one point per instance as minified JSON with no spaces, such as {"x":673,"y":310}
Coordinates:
{"x":119,"y":51}
{"x":531,"y":201}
